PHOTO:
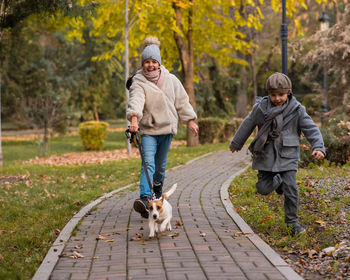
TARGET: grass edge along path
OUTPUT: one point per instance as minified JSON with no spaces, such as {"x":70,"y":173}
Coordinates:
{"x":34,"y":210}
{"x":321,"y":210}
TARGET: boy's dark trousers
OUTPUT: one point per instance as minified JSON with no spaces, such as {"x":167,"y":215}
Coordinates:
{"x":270,"y":181}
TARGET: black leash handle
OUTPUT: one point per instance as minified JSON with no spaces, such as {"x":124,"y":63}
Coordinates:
{"x":134,"y":137}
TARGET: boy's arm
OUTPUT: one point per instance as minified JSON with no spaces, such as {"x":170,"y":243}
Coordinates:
{"x":311,"y":132}
{"x":243,"y":132}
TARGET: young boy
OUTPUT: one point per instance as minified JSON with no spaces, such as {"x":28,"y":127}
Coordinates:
{"x":280,"y":119}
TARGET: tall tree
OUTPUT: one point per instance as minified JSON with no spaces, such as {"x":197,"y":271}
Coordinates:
{"x":14,"y":11}
{"x":331,"y":50}
{"x":187,"y":29}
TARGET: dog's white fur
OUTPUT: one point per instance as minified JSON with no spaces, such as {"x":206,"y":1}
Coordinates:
{"x":160,"y":212}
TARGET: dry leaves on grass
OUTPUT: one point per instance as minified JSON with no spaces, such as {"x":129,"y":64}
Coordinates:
{"x":332,"y":262}
{"x":91,"y":157}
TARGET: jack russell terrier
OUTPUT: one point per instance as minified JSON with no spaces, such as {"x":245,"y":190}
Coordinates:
{"x":160,"y":212}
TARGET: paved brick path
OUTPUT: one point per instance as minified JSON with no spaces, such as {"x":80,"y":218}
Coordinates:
{"x":208,"y":246}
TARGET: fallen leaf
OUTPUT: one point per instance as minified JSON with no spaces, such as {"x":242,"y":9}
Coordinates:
{"x":143,"y":243}
{"x":329,"y":250}
{"x":56,"y":231}
{"x":312,"y":253}
{"x":136,"y":239}
{"x":110,"y":240}
{"x":79,"y":246}
{"x":174,"y":235}
{"x":179,"y":223}
{"x":76,"y":255}
{"x":203,"y":234}
{"x":101,"y":237}
{"x":322,"y":223}
{"x":265,"y":219}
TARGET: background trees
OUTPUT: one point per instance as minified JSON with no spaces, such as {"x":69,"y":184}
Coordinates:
{"x":222,"y":50}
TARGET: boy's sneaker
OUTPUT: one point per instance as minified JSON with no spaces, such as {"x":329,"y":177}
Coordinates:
{"x":157,"y":189}
{"x":297,"y":229}
{"x":141,"y":206}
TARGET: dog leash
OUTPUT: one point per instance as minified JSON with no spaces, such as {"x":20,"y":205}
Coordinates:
{"x":134,"y":137}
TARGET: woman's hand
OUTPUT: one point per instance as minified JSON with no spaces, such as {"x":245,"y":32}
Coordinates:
{"x":318,"y":155}
{"x":193,"y":127}
{"x":134,"y":126}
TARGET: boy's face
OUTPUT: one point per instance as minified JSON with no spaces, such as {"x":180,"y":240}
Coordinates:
{"x":150,"y":65}
{"x":278,"y":98}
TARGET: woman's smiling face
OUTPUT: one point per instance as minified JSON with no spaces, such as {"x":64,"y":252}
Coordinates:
{"x":150,"y":65}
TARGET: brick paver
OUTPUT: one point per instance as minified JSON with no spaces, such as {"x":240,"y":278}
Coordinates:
{"x":208,"y":245}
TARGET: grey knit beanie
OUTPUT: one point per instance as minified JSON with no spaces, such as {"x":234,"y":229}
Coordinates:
{"x":279,"y":82}
{"x":151,"y":50}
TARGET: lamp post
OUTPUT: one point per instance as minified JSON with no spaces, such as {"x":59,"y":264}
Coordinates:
{"x":284,"y":39}
{"x":324,"y":24}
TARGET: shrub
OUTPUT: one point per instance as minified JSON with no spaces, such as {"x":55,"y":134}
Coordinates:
{"x":312,"y":103}
{"x":336,"y":137}
{"x":210,"y":129}
{"x":92,"y":134}
{"x":230,"y":129}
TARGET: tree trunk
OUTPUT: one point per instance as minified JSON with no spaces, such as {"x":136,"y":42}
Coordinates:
{"x":97,"y":118}
{"x":2,"y":12}
{"x":128,"y":145}
{"x":242,"y":100}
{"x":46,"y":139}
{"x":254,"y":79}
{"x":1,"y":159}
{"x":187,"y":61}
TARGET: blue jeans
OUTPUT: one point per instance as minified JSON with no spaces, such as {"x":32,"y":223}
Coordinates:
{"x":155,"y":152}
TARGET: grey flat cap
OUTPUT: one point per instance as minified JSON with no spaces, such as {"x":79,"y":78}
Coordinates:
{"x":279,"y":82}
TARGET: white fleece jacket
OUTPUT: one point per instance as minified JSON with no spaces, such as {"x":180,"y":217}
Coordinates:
{"x":157,"y":109}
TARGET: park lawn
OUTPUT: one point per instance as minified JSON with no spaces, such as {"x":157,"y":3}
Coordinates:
{"x":320,"y":208}
{"x":33,"y":210}
{"x":23,"y":150}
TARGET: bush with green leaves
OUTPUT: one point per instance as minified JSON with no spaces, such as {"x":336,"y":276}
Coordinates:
{"x":210,"y":129}
{"x":92,"y":134}
{"x":312,"y":103}
{"x":336,"y":137}
{"x":230,"y":129}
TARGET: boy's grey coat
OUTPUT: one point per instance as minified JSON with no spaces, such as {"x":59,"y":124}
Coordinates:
{"x":282,"y":154}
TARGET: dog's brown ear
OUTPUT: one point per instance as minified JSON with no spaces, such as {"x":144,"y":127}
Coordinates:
{"x":148,"y":200}
{"x":164,"y":196}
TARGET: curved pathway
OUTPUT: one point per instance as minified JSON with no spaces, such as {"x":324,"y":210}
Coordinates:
{"x":209,"y":241}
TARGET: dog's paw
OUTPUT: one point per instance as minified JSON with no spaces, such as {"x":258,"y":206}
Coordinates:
{"x":168,"y":227}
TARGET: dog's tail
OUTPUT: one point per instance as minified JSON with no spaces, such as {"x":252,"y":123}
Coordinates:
{"x":170,"y":192}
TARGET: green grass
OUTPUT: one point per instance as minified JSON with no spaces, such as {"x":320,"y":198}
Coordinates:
{"x":265,"y":214}
{"x":30,"y":211}
{"x":23,"y":150}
